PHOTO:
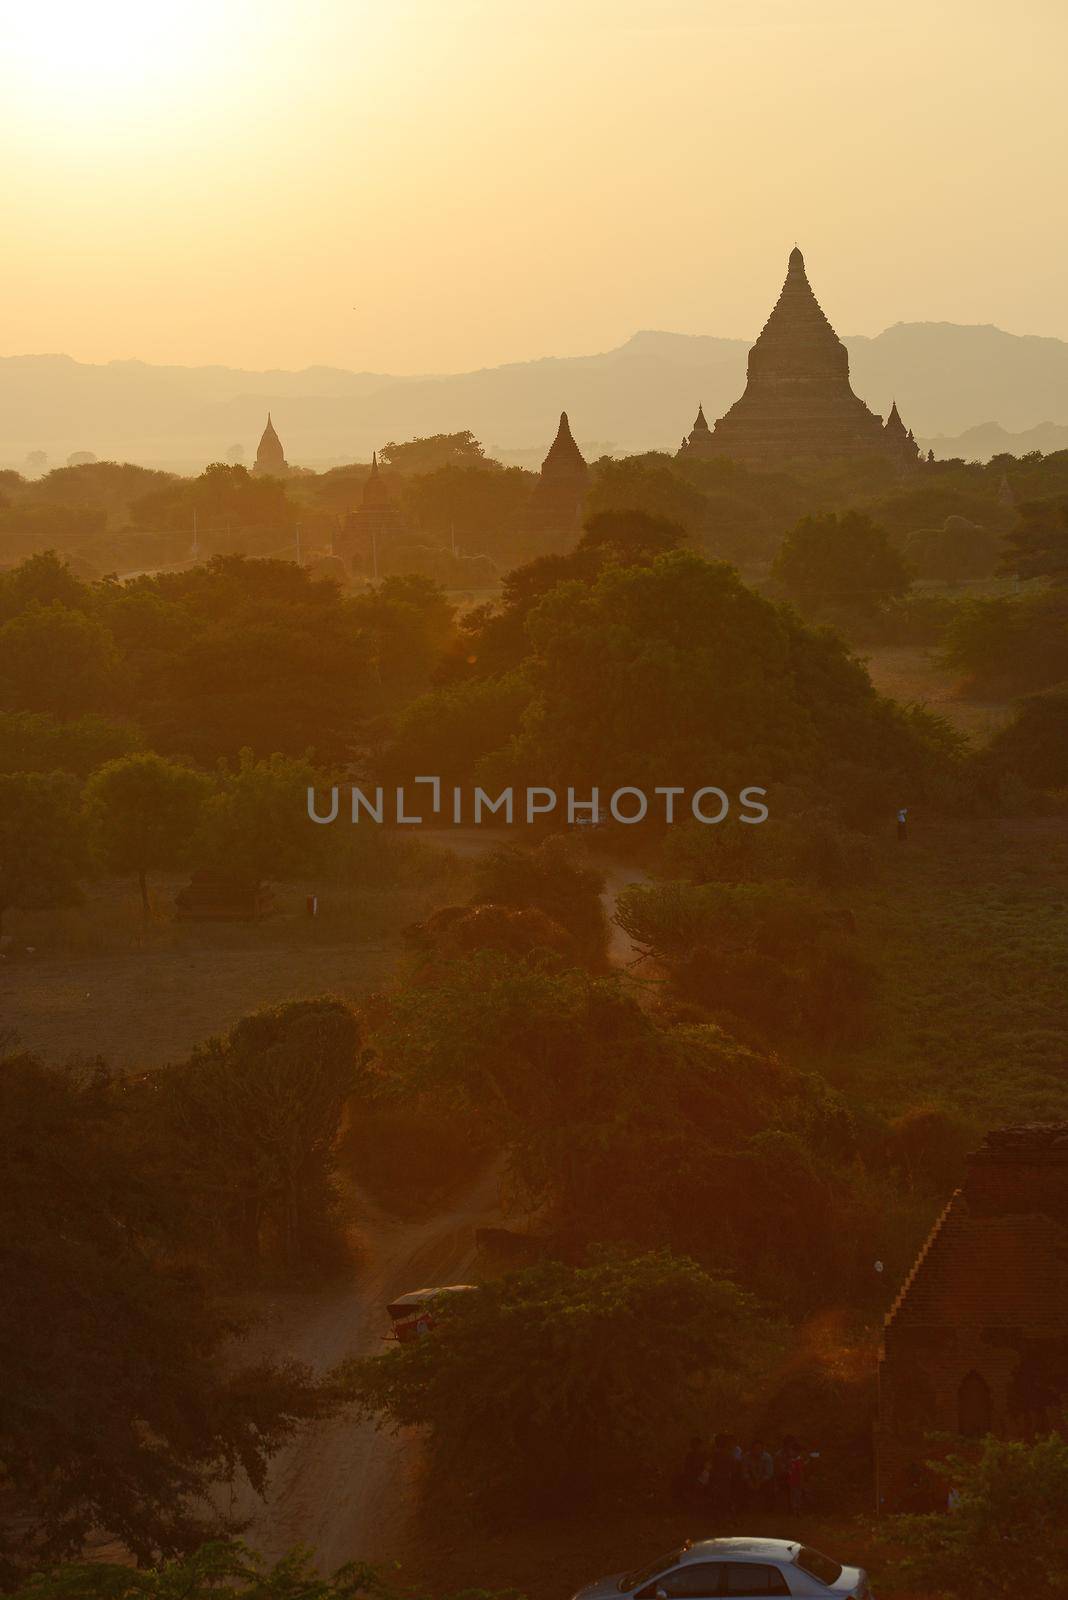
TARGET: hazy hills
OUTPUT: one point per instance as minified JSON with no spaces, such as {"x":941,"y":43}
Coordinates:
{"x":966,"y":390}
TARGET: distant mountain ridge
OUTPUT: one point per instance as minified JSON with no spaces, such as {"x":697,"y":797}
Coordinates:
{"x":973,"y":387}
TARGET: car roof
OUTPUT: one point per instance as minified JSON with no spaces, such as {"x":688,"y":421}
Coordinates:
{"x":742,"y":1548}
{"x":419,"y":1297}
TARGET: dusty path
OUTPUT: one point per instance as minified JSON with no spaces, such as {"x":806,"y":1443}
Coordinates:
{"x":342,"y":1487}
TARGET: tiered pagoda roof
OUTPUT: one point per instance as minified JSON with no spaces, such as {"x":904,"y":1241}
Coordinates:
{"x":798,"y":404}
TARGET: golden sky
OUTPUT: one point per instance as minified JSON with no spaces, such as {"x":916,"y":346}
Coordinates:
{"x":436,"y":185}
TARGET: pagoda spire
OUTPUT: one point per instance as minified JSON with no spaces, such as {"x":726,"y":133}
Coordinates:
{"x":270,"y":457}
{"x":894,"y":424}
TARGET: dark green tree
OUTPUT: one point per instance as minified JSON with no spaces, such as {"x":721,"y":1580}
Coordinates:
{"x":142,"y":812}
{"x":42,"y":841}
{"x":840,"y":562}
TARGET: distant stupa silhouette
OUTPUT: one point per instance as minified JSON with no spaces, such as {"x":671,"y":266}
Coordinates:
{"x":798,"y":404}
{"x":560,"y":492}
{"x":270,"y":457}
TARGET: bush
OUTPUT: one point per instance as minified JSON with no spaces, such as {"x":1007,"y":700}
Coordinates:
{"x":1009,"y":1532}
{"x":558,"y":1382}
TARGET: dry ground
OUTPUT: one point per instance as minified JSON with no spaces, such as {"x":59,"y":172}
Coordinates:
{"x":102,"y":981}
{"x":913,"y":673}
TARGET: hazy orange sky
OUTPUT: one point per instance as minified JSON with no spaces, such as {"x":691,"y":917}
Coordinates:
{"x":434,"y":185}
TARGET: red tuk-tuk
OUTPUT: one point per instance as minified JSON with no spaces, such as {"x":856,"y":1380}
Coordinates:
{"x":412,"y":1314}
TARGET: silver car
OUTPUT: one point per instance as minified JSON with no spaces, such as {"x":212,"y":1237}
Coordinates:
{"x":707,"y":1569}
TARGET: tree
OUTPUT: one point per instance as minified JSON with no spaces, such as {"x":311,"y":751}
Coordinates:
{"x":662,"y":673}
{"x":552,"y":879}
{"x":125,"y":1400}
{"x":1009,"y":1531}
{"x":255,"y":1115}
{"x":142,"y":812}
{"x":42,"y":845}
{"x":557,"y":1382}
{"x":256,"y":824}
{"x":767,"y":955}
{"x":842,"y":562}
{"x":56,"y":659}
{"x":1038,"y":546}
{"x":1034,"y":746}
{"x":37,"y":742}
{"x":223,"y":1571}
{"x":436,"y":450}
{"x":45,"y":579}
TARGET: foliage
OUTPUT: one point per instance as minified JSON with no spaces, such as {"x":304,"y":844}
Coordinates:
{"x":56,"y":659}
{"x":552,"y":879}
{"x":44,"y":580}
{"x":251,"y":1121}
{"x":42,"y":845}
{"x":1009,"y":1532}
{"x":142,"y":813}
{"x":952,"y":553}
{"x":1034,"y":746}
{"x":631,"y":1129}
{"x":447,"y":731}
{"x":646,"y":484}
{"x":843,"y":561}
{"x":756,"y":697}
{"x":225,"y":494}
{"x":118,"y":1410}
{"x":557,"y":1382}
{"x":255,"y":824}
{"x":810,"y":846}
{"x":1038,"y":546}
{"x":226,"y":1571}
{"x":1011,"y":643}
{"x":38,"y":742}
{"x":436,"y":450}
{"x":763,"y":954}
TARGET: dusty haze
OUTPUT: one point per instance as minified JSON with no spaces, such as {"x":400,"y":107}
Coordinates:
{"x":433,"y":186}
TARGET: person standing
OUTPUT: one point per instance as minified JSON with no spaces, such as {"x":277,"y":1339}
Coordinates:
{"x":902,"y":824}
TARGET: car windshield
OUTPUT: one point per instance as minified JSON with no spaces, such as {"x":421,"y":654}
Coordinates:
{"x":643,"y":1575}
{"x":817,"y":1566}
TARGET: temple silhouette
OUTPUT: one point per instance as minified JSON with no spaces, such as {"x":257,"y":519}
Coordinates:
{"x":557,"y":499}
{"x":368,"y":531}
{"x":270,"y":457}
{"x":798,"y":404}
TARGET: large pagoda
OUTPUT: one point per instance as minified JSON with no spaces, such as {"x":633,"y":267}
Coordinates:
{"x":270,"y":457}
{"x":798,"y":404}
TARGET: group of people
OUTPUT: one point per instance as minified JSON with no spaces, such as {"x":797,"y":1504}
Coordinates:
{"x":727,"y":1478}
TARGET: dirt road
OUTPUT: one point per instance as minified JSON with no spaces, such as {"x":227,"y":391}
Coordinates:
{"x":342,"y":1487}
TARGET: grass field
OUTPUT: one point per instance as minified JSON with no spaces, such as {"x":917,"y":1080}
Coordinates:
{"x":912,"y":673}
{"x":100,"y":980}
{"x":968,"y":925}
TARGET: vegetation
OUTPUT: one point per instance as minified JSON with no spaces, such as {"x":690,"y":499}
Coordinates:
{"x":840,"y":562}
{"x":1009,"y":1529}
{"x":119,"y":1410}
{"x":523,"y":1393}
{"x":224,"y":1571}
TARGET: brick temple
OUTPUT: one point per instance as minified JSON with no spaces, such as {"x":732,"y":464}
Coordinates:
{"x":798,"y":405}
{"x":558,"y":497}
{"x":977,"y":1340}
{"x":367,"y":533}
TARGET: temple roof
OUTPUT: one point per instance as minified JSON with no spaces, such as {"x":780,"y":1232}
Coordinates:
{"x":564,"y":457}
{"x":375,"y":492}
{"x":269,"y":452}
{"x":700,"y":425}
{"x":894,"y":423}
{"x":797,"y":337}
